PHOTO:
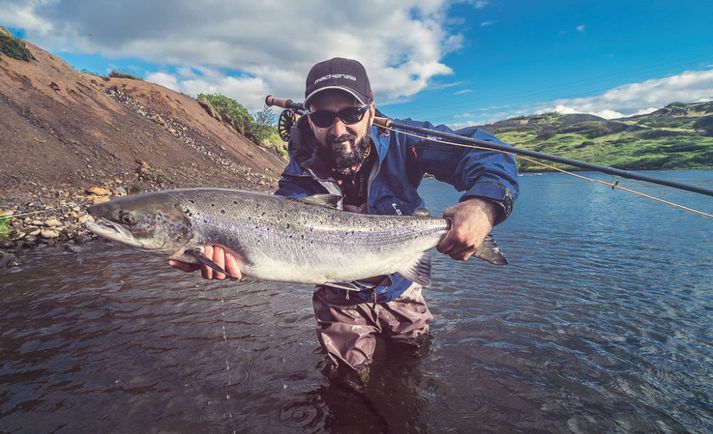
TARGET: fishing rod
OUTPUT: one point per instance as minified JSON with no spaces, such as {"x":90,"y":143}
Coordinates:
{"x":383,"y":122}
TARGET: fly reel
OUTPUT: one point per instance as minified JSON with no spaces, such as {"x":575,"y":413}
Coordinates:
{"x":288,"y":118}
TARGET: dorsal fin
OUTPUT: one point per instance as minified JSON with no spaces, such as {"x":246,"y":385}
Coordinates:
{"x":327,"y":200}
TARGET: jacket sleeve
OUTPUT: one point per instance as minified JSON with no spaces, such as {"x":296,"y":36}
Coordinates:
{"x":484,"y":174}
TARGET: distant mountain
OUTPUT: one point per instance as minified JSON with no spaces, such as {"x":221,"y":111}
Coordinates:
{"x":678,"y":136}
{"x":60,"y":128}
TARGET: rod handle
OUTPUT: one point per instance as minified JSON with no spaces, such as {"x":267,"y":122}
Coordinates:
{"x":382,"y":122}
{"x":284,"y":103}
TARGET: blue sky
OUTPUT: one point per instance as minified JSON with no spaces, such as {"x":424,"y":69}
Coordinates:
{"x":453,"y":62}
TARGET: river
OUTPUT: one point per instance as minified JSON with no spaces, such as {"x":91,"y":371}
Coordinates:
{"x":603,"y":322}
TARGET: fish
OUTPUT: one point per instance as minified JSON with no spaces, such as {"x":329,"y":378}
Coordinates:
{"x":301,"y":240}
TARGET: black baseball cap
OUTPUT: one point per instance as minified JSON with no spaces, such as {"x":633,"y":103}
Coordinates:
{"x":339,"y":73}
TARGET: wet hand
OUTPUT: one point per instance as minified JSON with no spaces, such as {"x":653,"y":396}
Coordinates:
{"x":471,"y":221}
{"x":216,"y":254}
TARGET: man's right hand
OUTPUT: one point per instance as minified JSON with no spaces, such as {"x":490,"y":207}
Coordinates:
{"x":216,"y":254}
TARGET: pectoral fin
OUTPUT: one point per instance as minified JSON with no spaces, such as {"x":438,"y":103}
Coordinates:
{"x":419,"y":270}
{"x":199,"y":256}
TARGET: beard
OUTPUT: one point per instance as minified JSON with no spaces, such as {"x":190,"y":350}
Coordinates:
{"x":337,"y":153}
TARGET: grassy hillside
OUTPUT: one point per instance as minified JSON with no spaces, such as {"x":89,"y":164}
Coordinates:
{"x":678,"y":136}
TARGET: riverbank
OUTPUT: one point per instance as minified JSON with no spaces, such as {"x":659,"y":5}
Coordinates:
{"x":42,"y":216}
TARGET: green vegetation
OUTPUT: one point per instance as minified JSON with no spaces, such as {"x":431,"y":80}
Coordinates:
{"x":12,"y":46}
{"x":4,"y":226}
{"x":228,"y":111}
{"x":119,"y":74}
{"x":678,"y":136}
{"x":259,"y":129}
{"x":95,"y":74}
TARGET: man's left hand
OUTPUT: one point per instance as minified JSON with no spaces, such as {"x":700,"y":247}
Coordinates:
{"x":471,"y":221}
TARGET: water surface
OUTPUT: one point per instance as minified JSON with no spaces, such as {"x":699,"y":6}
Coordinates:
{"x":602,"y":323}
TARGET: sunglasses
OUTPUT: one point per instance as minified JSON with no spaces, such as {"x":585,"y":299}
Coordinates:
{"x":349,"y":115}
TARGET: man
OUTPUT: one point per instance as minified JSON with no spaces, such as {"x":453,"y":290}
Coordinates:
{"x":337,"y":150}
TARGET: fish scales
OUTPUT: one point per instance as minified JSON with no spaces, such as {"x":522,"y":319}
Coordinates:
{"x":273,"y":237}
{"x":287,"y":238}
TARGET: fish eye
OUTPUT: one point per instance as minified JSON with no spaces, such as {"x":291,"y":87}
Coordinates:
{"x":127,"y":217}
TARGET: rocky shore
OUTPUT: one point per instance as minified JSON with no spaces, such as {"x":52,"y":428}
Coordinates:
{"x":52,"y":217}
{"x":41,"y":216}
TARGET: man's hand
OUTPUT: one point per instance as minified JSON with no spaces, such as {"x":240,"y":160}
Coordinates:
{"x":471,"y":220}
{"x":216,"y":254}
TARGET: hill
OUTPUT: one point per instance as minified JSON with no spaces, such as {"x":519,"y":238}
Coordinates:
{"x":71,"y":139}
{"x":678,"y":136}
{"x":65,"y":130}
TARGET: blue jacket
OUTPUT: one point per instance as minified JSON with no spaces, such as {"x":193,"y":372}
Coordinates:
{"x":394,"y":180}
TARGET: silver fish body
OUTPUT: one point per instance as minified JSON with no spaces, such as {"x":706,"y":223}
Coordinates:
{"x":273,"y":237}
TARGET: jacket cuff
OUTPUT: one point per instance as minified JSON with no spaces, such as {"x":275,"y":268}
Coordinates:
{"x":495,"y":193}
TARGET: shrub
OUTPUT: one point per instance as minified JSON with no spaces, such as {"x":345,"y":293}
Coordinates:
{"x":259,"y":129}
{"x":229,"y":111}
{"x":4,"y":226}
{"x":12,"y":46}
{"x":118,"y":74}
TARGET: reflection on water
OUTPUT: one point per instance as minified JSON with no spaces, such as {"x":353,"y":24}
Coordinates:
{"x":602,"y":322}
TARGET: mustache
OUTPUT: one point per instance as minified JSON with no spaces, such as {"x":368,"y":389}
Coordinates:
{"x":342,"y":138}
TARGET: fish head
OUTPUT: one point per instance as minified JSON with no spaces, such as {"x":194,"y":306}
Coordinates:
{"x":151,"y":221}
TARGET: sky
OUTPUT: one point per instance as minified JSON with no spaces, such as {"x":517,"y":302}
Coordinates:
{"x":459,"y":63}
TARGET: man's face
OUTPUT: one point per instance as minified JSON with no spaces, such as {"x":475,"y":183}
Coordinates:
{"x":343,"y":145}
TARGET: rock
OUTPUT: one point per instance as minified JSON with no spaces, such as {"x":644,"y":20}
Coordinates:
{"x":98,"y":191}
{"x":31,"y":231}
{"x":37,"y":222}
{"x":6,"y":244}
{"x":48,"y":234}
{"x":52,"y":222}
{"x":85,"y":218}
{"x":72,"y":248}
{"x":120,"y":191}
{"x":73,"y":214}
{"x":82,"y":238}
{"x":99,"y":199}
{"x":7,"y":259}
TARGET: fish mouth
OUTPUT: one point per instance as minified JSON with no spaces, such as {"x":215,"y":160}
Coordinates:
{"x":108,"y":229}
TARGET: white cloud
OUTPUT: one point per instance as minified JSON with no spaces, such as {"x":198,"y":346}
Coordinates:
{"x":581,"y":28}
{"x":273,"y":43}
{"x":249,"y":91}
{"x":640,"y":98}
{"x":461,"y":92}
{"x":164,"y":79}
{"x":487,"y":23}
{"x":18,"y":13}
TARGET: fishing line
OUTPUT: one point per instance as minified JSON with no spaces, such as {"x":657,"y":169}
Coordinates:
{"x":613,"y":185}
{"x":36,"y":212}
